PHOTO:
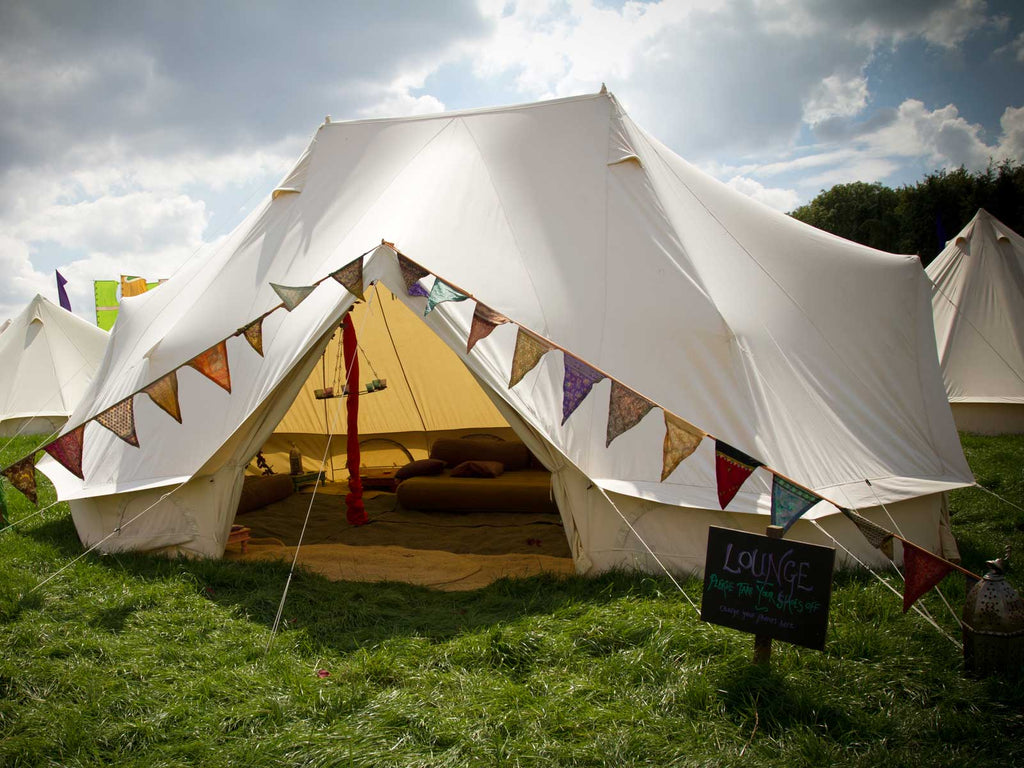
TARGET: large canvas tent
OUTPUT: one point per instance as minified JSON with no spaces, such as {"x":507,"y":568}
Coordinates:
{"x":978,"y":305}
{"x":812,"y":354}
{"x":48,"y":356}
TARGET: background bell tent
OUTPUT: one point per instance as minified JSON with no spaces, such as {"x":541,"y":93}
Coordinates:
{"x":978,"y":304}
{"x":811,"y":354}
{"x":48,"y":356}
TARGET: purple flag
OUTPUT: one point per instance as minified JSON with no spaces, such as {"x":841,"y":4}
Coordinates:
{"x":62,"y":295}
{"x":579,"y":379}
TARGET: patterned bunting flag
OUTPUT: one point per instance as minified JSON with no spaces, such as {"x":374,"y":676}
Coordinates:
{"x":120,"y":419}
{"x":253,"y":333}
{"x":732,"y":468}
{"x":625,"y":410}
{"x":164,"y":393}
{"x":789,"y":501}
{"x":213,"y":364}
{"x":411,"y":275}
{"x":529,"y":350}
{"x":877,"y":536}
{"x":67,"y":450}
{"x":442,"y":292}
{"x":485,"y":320}
{"x":579,"y":379}
{"x":921,"y":571}
{"x":292,"y":295}
{"x":351,"y":276}
{"x":23,"y":477}
{"x":681,"y":440}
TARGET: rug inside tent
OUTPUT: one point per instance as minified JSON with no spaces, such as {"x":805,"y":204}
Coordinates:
{"x":443,"y":550}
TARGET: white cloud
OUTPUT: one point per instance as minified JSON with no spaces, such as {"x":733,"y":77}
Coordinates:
{"x":836,"y":96}
{"x":941,"y":135}
{"x":777,"y":198}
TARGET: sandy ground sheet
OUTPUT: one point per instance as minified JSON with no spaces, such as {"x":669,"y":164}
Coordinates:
{"x":454,"y":551}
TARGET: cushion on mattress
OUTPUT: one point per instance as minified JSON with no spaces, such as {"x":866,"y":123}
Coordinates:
{"x":474,"y":468}
{"x":454,"y":451}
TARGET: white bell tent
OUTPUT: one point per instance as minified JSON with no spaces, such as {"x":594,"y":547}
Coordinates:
{"x":810,"y":353}
{"x":48,"y":356}
{"x":978,"y":305}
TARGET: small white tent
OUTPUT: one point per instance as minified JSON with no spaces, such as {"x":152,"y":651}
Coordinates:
{"x":48,"y":356}
{"x":813,"y":354}
{"x":978,"y":305}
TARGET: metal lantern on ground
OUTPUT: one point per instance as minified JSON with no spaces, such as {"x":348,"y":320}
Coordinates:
{"x":993,"y":624}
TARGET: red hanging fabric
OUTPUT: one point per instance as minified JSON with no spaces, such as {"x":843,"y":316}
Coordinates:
{"x":355,"y":513}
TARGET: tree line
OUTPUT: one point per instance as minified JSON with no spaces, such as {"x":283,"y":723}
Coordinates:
{"x":918,"y":219}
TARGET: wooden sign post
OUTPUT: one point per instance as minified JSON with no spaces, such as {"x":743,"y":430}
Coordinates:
{"x":762,"y":642}
{"x":770,"y":587}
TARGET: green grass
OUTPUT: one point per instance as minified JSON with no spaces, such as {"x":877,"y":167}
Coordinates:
{"x":140,"y":661}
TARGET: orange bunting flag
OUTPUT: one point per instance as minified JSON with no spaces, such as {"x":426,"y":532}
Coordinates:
{"x":351,"y":277}
{"x":529,"y":350}
{"x":164,"y":393}
{"x":732,"y":468}
{"x":411,"y":276}
{"x":485,"y":320}
{"x":213,"y":364}
{"x":23,"y":477}
{"x":625,"y":410}
{"x":253,"y":333}
{"x":921,"y":570}
{"x":67,"y":451}
{"x":120,"y":419}
{"x":292,"y":295}
{"x":681,"y":440}
{"x":877,"y":536}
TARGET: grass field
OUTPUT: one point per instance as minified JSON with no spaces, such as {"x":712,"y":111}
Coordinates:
{"x":141,"y":661}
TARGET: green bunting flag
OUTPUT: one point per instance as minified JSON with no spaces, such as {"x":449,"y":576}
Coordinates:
{"x":351,"y":276}
{"x":789,"y":502}
{"x":529,"y":350}
{"x":485,"y":320}
{"x":681,"y":440}
{"x":164,"y":394}
{"x":625,"y":410}
{"x":440,"y":293}
{"x":120,"y":419}
{"x":66,"y":450}
{"x":579,"y":379}
{"x":23,"y":477}
{"x":292,"y":295}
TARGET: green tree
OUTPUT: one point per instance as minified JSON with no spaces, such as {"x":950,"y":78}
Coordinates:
{"x":864,"y":213}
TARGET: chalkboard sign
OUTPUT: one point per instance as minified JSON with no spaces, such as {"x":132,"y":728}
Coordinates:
{"x":772,"y":587}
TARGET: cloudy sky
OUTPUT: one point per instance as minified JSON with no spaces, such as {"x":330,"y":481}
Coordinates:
{"x":133,"y":133}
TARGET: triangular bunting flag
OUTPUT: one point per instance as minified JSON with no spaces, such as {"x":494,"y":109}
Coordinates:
{"x":877,"y":536}
{"x":789,"y":501}
{"x":732,"y":468}
{"x":579,"y":379}
{"x":681,"y":440}
{"x":442,"y":292}
{"x":411,"y":275}
{"x":253,"y":333}
{"x":213,"y":364}
{"x":67,"y":450}
{"x":23,"y":477}
{"x":625,"y":410}
{"x":529,"y":350}
{"x":120,"y":419}
{"x":292,"y":295}
{"x":164,"y":393}
{"x":921,"y":570}
{"x":351,"y":276}
{"x":485,"y":320}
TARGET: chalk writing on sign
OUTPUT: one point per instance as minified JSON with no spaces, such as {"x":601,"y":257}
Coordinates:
{"x":768,"y":586}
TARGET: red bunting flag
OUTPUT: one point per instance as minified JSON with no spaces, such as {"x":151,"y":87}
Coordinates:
{"x":732,"y":468}
{"x":681,"y":440}
{"x":164,"y":393}
{"x":253,"y":333}
{"x":485,"y":320}
{"x":529,"y":350}
{"x":292,"y":295}
{"x":411,"y":275}
{"x":120,"y":419}
{"x":67,"y":451}
{"x":921,"y":571}
{"x":579,"y":379}
{"x":23,"y":477}
{"x":213,"y":364}
{"x":625,"y":410}
{"x":351,"y":277}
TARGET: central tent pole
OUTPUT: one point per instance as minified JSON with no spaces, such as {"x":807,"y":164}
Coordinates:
{"x":355,"y":513}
